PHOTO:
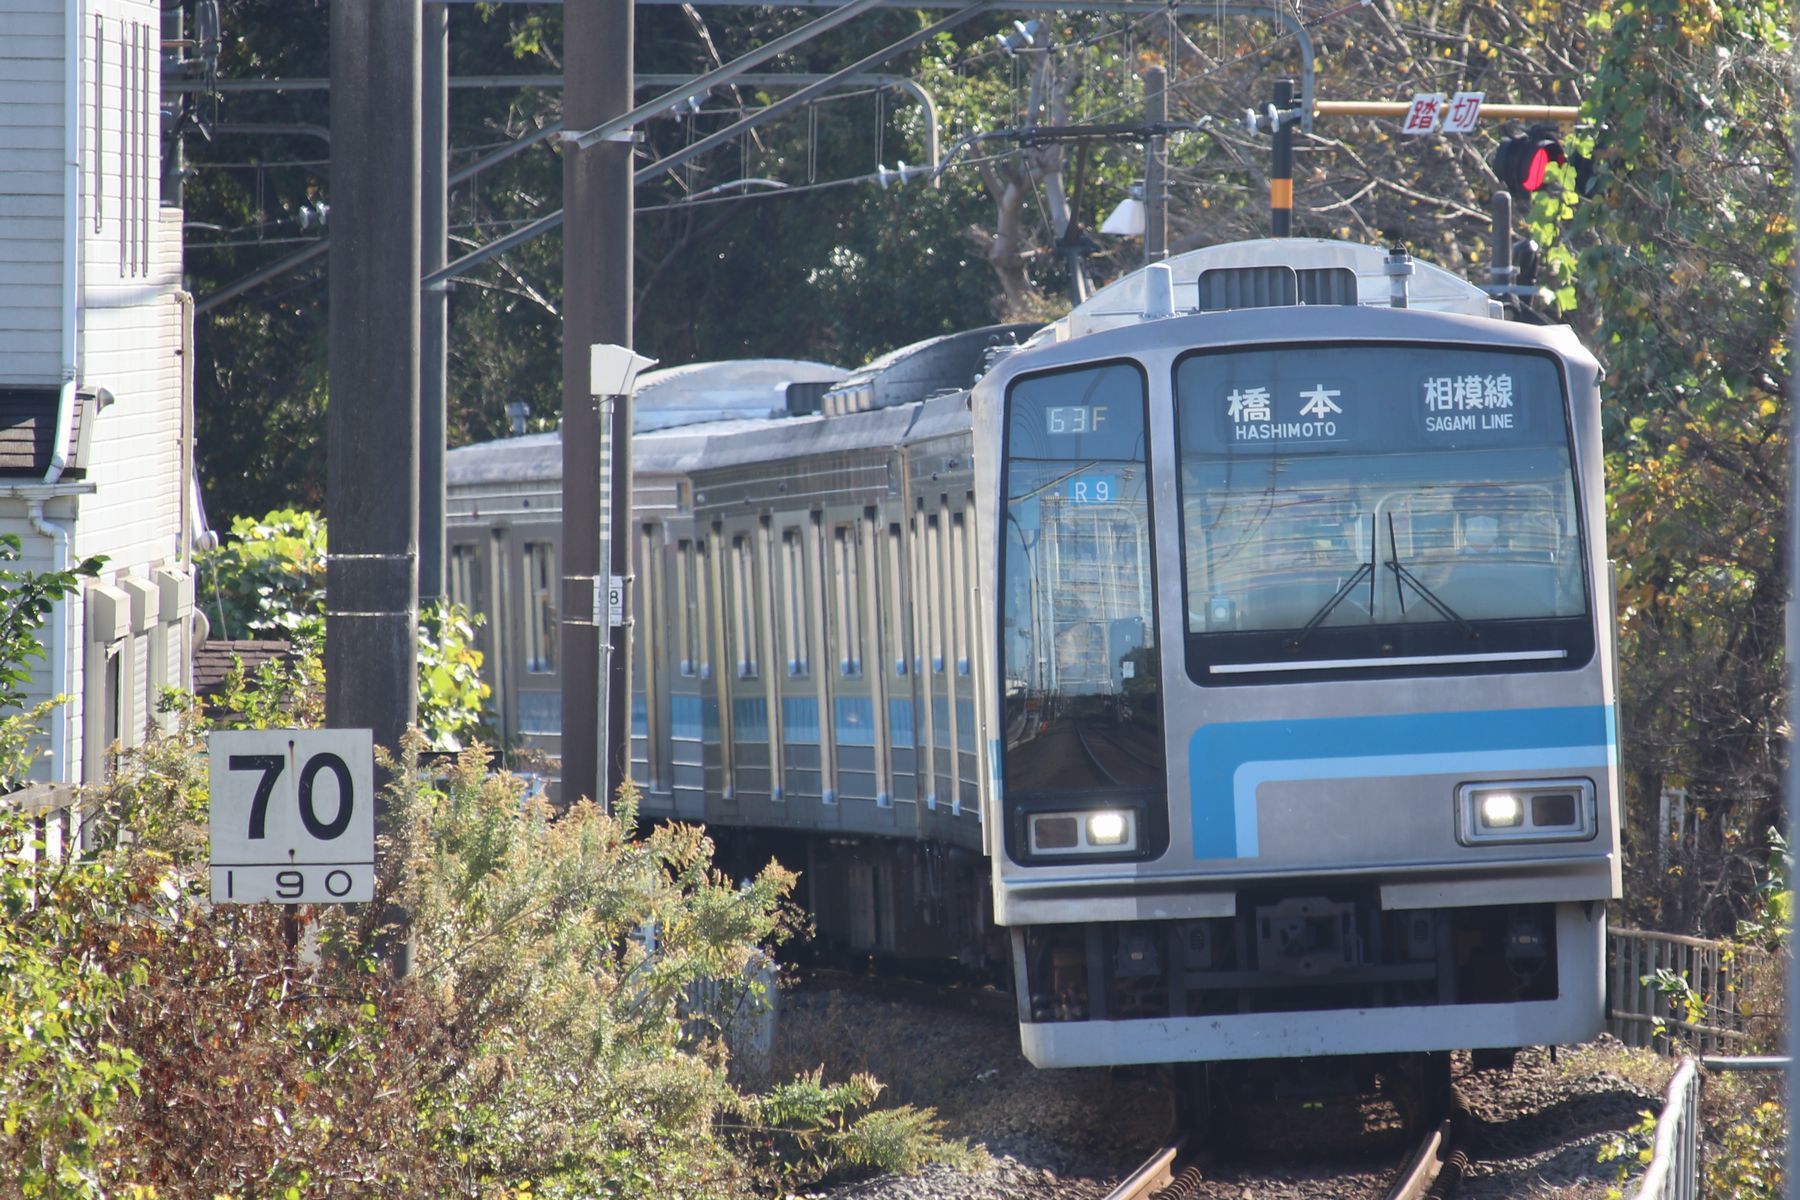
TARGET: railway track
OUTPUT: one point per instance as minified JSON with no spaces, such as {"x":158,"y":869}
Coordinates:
{"x":1429,"y":1172}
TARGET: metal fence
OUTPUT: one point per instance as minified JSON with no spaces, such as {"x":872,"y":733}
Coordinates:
{"x":743,"y":1010}
{"x":54,"y":814}
{"x":1715,"y":971}
{"x":1677,"y":1155}
{"x":1674,"y":1172}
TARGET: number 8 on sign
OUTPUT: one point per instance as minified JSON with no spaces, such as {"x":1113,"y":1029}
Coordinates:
{"x":293,"y":816}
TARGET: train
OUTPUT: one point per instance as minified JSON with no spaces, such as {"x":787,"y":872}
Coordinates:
{"x":1227,"y":666}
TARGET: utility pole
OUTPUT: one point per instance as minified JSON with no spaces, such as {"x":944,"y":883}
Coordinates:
{"x":434,"y":301}
{"x":1156,"y":167}
{"x":372,"y":421}
{"x":597,"y":293}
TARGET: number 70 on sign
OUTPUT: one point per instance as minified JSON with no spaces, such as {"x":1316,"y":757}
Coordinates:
{"x":293,"y":816}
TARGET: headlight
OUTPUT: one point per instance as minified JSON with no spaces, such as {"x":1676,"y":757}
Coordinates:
{"x":1107,"y":828}
{"x":1501,"y":810}
{"x":1094,"y":831}
{"x":1552,"y":810}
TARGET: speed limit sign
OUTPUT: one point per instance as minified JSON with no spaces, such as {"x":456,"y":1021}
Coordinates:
{"x":293,"y":816}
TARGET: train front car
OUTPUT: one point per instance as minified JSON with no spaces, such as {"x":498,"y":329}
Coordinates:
{"x":1300,"y":707}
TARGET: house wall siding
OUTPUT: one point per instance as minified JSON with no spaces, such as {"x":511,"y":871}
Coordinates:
{"x":128,"y":504}
{"x":33,"y":67}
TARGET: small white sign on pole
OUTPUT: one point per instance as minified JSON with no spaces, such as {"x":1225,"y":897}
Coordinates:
{"x":1422,"y":117}
{"x":293,"y":816}
{"x":1463,"y":112}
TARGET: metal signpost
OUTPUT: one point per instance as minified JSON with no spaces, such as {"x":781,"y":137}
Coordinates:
{"x":293,"y":816}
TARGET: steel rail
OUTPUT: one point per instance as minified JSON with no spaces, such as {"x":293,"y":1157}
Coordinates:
{"x":1422,"y":1166}
{"x":1157,"y":1173}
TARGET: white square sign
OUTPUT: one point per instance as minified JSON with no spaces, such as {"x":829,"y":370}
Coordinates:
{"x":293,"y":816}
{"x":1464,"y":111}
{"x":1422,"y":117}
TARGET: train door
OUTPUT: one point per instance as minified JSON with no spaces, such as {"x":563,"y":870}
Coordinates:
{"x":896,"y":665}
{"x":650,"y":668}
{"x":539,"y":695}
{"x":966,"y":759}
{"x":745,"y":597}
{"x":858,"y":736}
{"x":799,"y":698}
{"x":691,"y":675}
{"x":717,"y":734}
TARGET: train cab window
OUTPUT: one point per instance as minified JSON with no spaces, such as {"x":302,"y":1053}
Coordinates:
{"x":795,"y":627}
{"x":1082,"y":703}
{"x":1389,"y":507}
{"x":540,"y":608}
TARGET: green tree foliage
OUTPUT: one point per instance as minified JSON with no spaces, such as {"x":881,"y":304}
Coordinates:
{"x":267,"y":580}
{"x":26,"y":599}
{"x":452,"y":697}
{"x":152,"y":1043}
{"x":62,"y":1076}
{"x":150,"y":1039}
{"x":1685,"y":252}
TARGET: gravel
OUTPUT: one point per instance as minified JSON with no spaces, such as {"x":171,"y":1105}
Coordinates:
{"x":1536,"y":1131}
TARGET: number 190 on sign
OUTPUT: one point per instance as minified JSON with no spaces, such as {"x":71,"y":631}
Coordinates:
{"x":292,"y":816}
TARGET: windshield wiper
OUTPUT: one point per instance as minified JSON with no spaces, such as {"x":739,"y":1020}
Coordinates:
{"x":1401,"y":574}
{"x":1363,"y":571}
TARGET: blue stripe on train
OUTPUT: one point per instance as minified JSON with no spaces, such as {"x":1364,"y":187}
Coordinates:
{"x":1229,"y":760}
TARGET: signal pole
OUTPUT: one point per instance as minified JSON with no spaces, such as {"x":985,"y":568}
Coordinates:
{"x":597,"y":296}
{"x":1283,"y":114}
{"x":1156,"y":167}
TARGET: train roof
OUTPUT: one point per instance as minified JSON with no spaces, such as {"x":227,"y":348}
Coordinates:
{"x":705,"y":415}
{"x":712,"y":394}
{"x":695,"y":393}
{"x":1272,"y":272}
{"x":950,"y":363}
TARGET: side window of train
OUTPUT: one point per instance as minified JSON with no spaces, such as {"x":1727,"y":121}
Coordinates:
{"x":746,"y":623}
{"x":468,"y":587}
{"x":846,"y":587}
{"x":540,"y":608}
{"x":690,"y":608}
{"x":896,"y":609}
{"x":796,"y":625}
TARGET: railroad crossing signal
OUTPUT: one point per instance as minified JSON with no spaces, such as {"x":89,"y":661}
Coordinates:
{"x":1521,"y":161}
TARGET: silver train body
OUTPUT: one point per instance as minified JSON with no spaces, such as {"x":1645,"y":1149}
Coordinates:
{"x":1302,"y":734}
{"x":1242,"y":674}
{"x":804,"y":628}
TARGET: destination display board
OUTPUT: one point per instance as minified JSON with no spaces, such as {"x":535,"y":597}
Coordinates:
{"x":1366,"y":399}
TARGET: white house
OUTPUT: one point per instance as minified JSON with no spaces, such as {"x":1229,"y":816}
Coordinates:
{"x":96,"y":413}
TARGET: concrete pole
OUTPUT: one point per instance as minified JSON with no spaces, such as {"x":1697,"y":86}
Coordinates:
{"x":597,"y":295}
{"x":372,"y":421}
{"x":434,"y":300}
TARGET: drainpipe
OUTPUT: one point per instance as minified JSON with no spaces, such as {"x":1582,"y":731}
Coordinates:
{"x":59,"y":644}
{"x":71,"y":258}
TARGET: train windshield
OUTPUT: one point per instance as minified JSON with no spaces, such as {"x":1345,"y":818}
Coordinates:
{"x":1083,"y":708}
{"x":1406,"y":508}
